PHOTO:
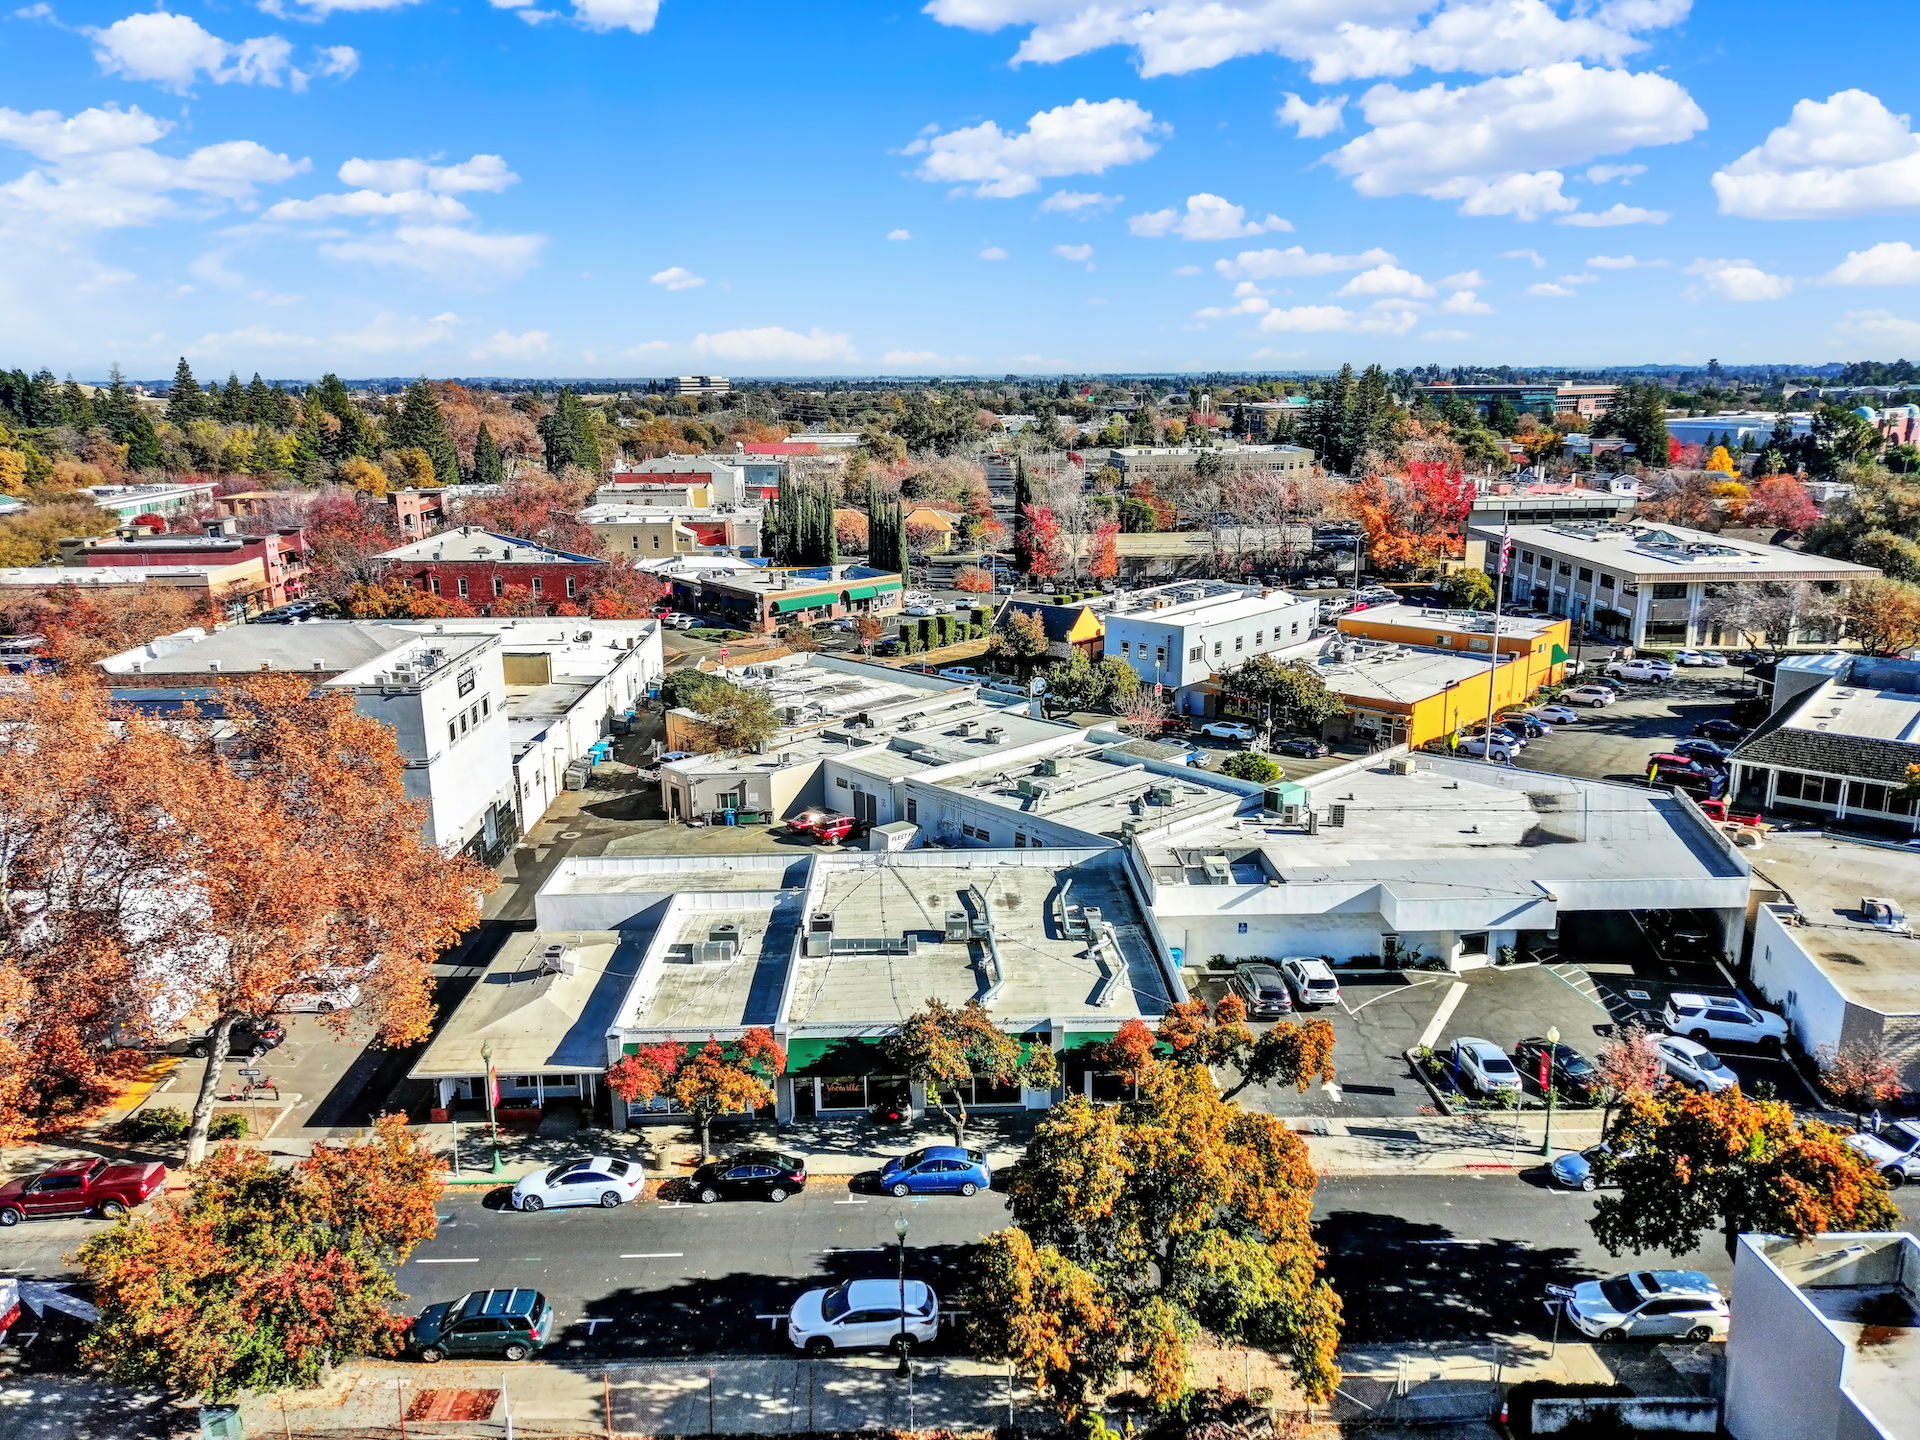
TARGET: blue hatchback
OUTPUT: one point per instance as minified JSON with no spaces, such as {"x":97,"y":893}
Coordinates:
{"x":937,"y":1170}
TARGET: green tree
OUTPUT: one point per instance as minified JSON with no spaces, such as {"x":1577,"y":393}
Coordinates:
{"x":1022,"y":501}
{"x":1466,"y":589}
{"x":185,"y":401}
{"x":944,"y":1050}
{"x":117,"y":407}
{"x":1248,"y":765}
{"x":260,"y":407}
{"x":488,"y":468}
{"x":143,"y":443}
{"x":76,"y":409}
{"x":689,"y":689}
{"x":568,"y":436}
{"x":258,"y":1278}
{"x":1078,"y":684}
{"x":1137,"y":517}
{"x":1140,"y":425}
{"x":1018,"y":641}
{"x":1292,"y":693}
{"x":420,"y":425}
{"x":1688,"y":1164}
{"x":1638,"y":413}
{"x":1138,"y":1226}
{"x":735,"y":718}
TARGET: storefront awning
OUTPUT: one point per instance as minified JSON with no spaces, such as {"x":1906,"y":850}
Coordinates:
{"x":801,"y":602}
{"x":1560,"y":656}
{"x":861,"y":592}
{"x":840,"y":1055}
{"x":887,"y":585}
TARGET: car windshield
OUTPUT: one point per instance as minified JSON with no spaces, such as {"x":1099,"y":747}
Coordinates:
{"x":837,"y":1302}
{"x":1322,"y":982}
{"x":907,"y":1162}
{"x":1267,"y":992}
{"x":1707,"y":1060}
{"x":1575,"y":1064}
{"x":1620,"y":1294}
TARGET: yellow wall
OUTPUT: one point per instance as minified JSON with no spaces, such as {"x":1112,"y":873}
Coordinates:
{"x":1540,"y":665}
{"x":1464,"y":705}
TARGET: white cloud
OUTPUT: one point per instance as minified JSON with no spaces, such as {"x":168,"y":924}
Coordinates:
{"x":676,"y":277}
{"x":371,"y":204}
{"x":1879,"y":327}
{"x":1462,"y":302}
{"x":644,"y":349}
{"x":1465,"y":280}
{"x":772,"y":343}
{"x":1073,"y":202}
{"x":1320,"y":118}
{"x":42,"y":11}
{"x":1847,"y":155}
{"x":1892,"y":262}
{"x":1739,"y":280}
{"x":320,"y":9}
{"x":96,"y":171}
{"x":1623,"y":262}
{"x":898,"y":235}
{"x":993,"y":252}
{"x":1387,"y":280}
{"x":1249,"y":299}
{"x":1208,"y":217}
{"x":337,"y":61}
{"x":173,"y":50}
{"x":1546,"y":289}
{"x":1496,"y":146}
{"x":1079,"y":254}
{"x":1296,"y":260}
{"x":635,"y":15}
{"x":1076,"y":139}
{"x":1602,"y":174}
{"x":505,"y":345}
{"x":387,"y":334}
{"x":1384,"y":318}
{"x":1336,"y":41}
{"x":1579,"y":279}
{"x":463,"y":256}
{"x":1539,"y":260}
{"x":482,"y":172}
{"x":1445,"y":335}
{"x":1616,"y":215}
{"x":1186,"y":270}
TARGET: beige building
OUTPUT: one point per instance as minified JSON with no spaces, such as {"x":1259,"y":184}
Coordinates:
{"x":1170,"y":462}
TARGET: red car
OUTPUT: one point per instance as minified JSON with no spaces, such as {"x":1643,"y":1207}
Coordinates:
{"x":832,"y":829}
{"x":805,"y":822}
{"x":80,"y":1187}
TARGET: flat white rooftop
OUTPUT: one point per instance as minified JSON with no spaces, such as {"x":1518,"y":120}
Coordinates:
{"x":1402,"y":674}
{"x":1202,"y":602}
{"x":1826,"y":880}
{"x":1097,"y":796}
{"x":1862,"y":711}
{"x":1443,"y":622}
{"x":1657,"y":552}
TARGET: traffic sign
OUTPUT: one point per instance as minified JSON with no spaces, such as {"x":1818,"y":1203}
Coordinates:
{"x":251,"y":1074}
{"x":1561,"y":1291}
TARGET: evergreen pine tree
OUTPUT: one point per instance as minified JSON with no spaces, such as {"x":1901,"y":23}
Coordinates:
{"x":260,"y":402}
{"x":487,"y":466}
{"x":228,"y":405}
{"x":143,"y":443}
{"x":43,"y":399}
{"x":76,"y":409}
{"x":185,"y":401}
{"x":117,"y":407}
{"x":1022,"y":498}
{"x":285,"y":412}
{"x":420,"y":424}
{"x":310,"y":439}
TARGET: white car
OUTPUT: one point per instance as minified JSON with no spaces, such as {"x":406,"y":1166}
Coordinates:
{"x":1228,"y":730}
{"x":1555,"y":714}
{"x":964,"y":674}
{"x":1311,"y":980}
{"x":1895,"y":1151}
{"x":1723,"y":1017}
{"x":1705,"y":659}
{"x":338,"y":995}
{"x":1650,"y":1305}
{"x":598,"y":1180}
{"x":1485,"y":1064}
{"x":1502,"y":749}
{"x":680,"y":622}
{"x":1691,"y":1063}
{"x":923,"y":607}
{"x":1593,"y":695}
{"x":863,"y":1314}
{"x":1652,"y":672}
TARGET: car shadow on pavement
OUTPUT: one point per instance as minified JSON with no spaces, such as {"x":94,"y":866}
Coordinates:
{"x":1401,"y":1280}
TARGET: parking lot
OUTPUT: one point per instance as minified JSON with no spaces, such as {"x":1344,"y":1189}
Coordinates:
{"x":1613,"y":743}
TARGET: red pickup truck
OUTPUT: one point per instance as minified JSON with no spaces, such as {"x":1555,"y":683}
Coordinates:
{"x":80,"y":1187}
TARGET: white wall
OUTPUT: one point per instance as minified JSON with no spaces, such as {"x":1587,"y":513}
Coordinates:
{"x":1789,"y":977}
{"x":459,"y":779}
{"x":1783,"y":1364}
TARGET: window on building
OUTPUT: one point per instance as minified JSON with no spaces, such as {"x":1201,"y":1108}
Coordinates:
{"x":967,"y":830}
{"x":1565,"y":568}
{"x":498,"y":586}
{"x":1861,"y":796}
{"x":463,"y":724}
{"x":486,"y":705}
{"x":981,"y":835}
{"x":1296,"y":628}
{"x":1019,"y":839}
{"x":1239,"y":643}
{"x":1586,"y":575}
{"x":1606,"y":581}
{"x":1159,"y":654}
{"x":1123,"y":649}
{"x":434,"y":584}
{"x":463,"y":587}
{"x":1670,"y":590}
{"x":1526,"y":557}
{"x":841,"y":781}
{"x":913,"y":811}
{"x":1216,"y":649}
{"x":569,"y":587}
{"x":452,"y":733}
{"x":1815,"y":789}
{"x":1195,"y":653}
{"x":536,"y":584}
{"x":636,"y":541}
{"x":1260,"y":637}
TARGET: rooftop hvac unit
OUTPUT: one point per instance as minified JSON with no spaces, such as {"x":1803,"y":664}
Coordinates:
{"x":1218,"y":871}
{"x":1036,"y":789}
{"x":556,"y":959}
{"x":786,"y":759}
{"x":712,"y":952}
{"x":1336,"y":816}
{"x":959,"y":925}
{"x":1290,"y":815}
{"x":1402,"y":765}
{"x":724,"y":930}
{"x":965,"y":727}
{"x":1129,"y":828}
{"x":995,"y":734}
{"x":1162,"y":794}
{"x":1050,"y":766}
{"x":820,"y":923}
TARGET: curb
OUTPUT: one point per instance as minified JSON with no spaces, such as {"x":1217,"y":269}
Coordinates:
{"x":1440,"y":1102}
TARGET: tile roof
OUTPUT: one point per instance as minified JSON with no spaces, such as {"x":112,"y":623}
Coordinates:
{"x":1778,"y":742}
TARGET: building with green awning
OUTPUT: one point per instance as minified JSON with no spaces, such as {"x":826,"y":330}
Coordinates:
{"x":759,"y":598}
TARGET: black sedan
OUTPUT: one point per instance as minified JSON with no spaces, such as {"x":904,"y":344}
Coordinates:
{"x":1301,"y":746}
{"x":251,"y":1038}
{"x":1725,"y":731}
{"x":1704,"y":752}
{"x":750,"y":1175}
{"x":1569,"y":1072}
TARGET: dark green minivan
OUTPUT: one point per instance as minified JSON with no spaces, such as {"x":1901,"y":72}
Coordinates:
{"x":491,"y":1324}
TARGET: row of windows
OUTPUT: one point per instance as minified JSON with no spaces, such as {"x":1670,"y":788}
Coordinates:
{"x":1159,"y":652}
{"x":468,"y":718}
{"x":1607,"y":581}
{"x":499,"y":586}
{"x":1828,"y":790}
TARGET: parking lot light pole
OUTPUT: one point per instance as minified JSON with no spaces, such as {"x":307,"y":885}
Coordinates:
{"x":1553,"y":1053}
{"x":900,"y":1229}
{"x":493,"y":1124}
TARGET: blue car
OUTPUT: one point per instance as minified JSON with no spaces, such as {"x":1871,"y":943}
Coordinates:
{"x":937,"y":1170}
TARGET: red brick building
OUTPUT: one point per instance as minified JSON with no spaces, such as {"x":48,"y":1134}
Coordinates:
{"x":280,"y":554}
{"x":479,"y":567}
{"x":418,"y":512}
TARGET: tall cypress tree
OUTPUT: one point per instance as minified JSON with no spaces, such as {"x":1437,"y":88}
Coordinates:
{"x":310,"y":439}
{"x":1022,"y":498}
{"x":143,"y":443}
{"x":185,"y":401}
{"x":487,"y":466}
{"x":420,"y":424}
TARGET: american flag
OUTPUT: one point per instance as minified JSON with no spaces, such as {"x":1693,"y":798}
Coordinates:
{"x":1506,"y":546}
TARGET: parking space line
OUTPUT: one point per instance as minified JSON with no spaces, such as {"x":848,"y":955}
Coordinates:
{"x":658,"y":1255}
{"x":1411,"y":984}
{"x":1443,"y":1014}
{"x":465,"y":1260}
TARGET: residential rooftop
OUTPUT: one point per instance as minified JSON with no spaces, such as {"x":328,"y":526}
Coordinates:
{"x":1665,"y":552}
{"x":1826,"y":880}
{"x":1041,"y":973}
{"x":464,"y":542}
{"x":1200,"y":602}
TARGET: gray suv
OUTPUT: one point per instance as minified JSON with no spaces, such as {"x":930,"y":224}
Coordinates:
{"x":1264,"y":989}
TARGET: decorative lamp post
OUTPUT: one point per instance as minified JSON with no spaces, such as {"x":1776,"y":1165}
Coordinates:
{"x":1546,"y":1084}
{"x":493,"y":1123}
{"x":900,"y":1229}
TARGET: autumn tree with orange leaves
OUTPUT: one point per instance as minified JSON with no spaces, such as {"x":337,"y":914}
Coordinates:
{"x":707,"y":1081}
{"x":1139,"y":1225}
{"x":304,"y":866}
{"x":257,"y":1278}
{"x":1292,"y":1053}
{"x":1415,"y":521}
{"x":1688,"y":1164}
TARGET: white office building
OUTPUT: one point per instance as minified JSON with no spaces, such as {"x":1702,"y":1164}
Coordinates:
{"x":1186,"y":636}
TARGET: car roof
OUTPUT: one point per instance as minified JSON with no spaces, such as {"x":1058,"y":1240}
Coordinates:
{"x":1909,"y":1128}
{"x":1258,"y":967}
{"x":946,"y":1152}
{"x":1684,"y":1045}
{"x":1677,"y":1282}
{"x":1474,"y":1042}
{"x":1311,"y":964}
{"x":862,"y":1293}
{"x":497,"y":1302}
{"x":1688,"y":999}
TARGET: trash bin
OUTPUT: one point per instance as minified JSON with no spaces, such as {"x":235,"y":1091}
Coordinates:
{"x":729,"y":814}
{"x":220,"y":1422}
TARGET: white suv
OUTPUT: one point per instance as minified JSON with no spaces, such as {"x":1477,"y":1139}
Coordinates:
{"x":1723,"y":1018}
{"x":1311,"y":980}
{"x":1652,"y":671}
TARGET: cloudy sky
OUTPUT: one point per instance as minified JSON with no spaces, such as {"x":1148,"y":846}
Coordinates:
{"x":646,"y":187}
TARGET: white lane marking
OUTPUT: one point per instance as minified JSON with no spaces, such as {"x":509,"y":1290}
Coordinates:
{"x":1410,"y":985}
{"x":849,"y":1202}
{"x":1443,"y":1014}
{"x":658,"y":1255}
{"x":853,"y":1250}
{"x":467,"y":1260}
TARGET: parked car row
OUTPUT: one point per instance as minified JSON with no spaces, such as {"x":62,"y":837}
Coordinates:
{"x":1271,"y":990}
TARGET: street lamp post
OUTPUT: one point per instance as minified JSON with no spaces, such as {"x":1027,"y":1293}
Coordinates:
{"x":900,"y":1229}
{"x":1546,"y":1083}
{"x":493,"y":1123}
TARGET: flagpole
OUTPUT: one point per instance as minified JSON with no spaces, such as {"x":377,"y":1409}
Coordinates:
{"x":1493,"y":660}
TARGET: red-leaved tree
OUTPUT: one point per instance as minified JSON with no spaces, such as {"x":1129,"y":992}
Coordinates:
{"x":707,"y":1081}
{"x":1781,"y":501}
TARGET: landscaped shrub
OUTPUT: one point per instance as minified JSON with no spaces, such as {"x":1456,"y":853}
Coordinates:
{"x":230,"y":1126}
{"x":154,"y":1125}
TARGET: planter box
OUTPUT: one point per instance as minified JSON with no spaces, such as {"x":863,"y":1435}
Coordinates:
{"x":439,"y":1117}
{"x":517,"y":1112}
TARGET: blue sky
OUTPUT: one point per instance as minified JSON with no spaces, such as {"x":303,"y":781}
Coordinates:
{"x":625,"y":187}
